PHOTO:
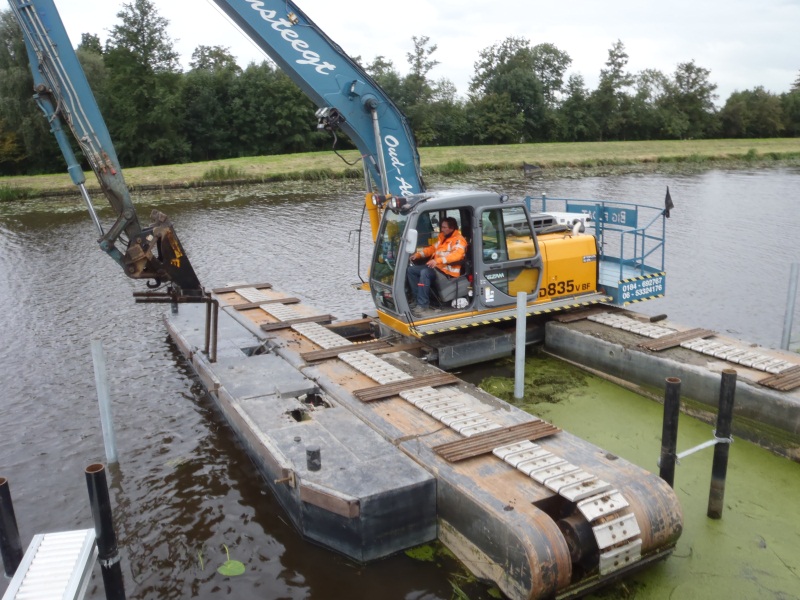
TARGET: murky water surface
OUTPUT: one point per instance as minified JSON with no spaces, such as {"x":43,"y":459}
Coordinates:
{"x":184,"y":488}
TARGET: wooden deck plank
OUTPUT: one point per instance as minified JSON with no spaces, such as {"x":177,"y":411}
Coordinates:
{"x":784,"y":382}
{"x":336,"y":351}
{"x":388,"y":390}
{"x":483,"y":443}
{"x":287,"y":324}
{"x":233,"y":288}
{"x":580,"y":314}
{"x":676,"y":339}
{"x":249,"y":305}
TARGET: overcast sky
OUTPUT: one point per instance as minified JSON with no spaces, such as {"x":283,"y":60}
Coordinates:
{"x":743,"y":43}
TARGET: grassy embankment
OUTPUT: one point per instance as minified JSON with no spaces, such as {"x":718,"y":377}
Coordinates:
{"x":591,"y":157}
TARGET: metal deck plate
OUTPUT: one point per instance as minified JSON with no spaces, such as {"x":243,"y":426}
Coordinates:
{"x":605,"y":504}
{"x":616,"y":531}
{"x":55,"y":566}
{"x":619,"y":558}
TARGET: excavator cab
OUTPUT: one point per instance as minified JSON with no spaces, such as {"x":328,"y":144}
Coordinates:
{"x":502,"y":258}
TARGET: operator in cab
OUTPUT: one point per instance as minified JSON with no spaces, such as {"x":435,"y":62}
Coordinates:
{"x":444,"y":259}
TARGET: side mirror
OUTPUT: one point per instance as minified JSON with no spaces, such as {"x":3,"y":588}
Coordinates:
{"x":410,"y":241}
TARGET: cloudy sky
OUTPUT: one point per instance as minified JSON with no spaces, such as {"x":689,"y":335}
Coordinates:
{"x":744,"y":43}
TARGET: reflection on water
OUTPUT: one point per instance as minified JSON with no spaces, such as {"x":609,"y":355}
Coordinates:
{"x":184,"y":486}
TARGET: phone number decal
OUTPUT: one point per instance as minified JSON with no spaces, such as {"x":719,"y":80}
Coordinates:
{"x":644,"y":288}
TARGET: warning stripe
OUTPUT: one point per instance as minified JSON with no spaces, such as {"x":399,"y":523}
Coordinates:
{"x":485,"y":322}
{"x":643,"y":277}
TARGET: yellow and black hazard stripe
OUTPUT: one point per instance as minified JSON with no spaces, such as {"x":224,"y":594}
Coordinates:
{"x":493,"y":321}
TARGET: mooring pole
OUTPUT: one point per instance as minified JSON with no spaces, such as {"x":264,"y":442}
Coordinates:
{"x":104,"y":400}
{"x":10,"y":545}
{"x":786,"y":338}
{"x":519,"y":347}
{"x":107,"y":552}
{"x":719,"y":469}
{"x":669,"y":430}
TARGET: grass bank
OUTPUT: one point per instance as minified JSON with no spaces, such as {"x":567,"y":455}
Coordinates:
{"x":445,"y":161}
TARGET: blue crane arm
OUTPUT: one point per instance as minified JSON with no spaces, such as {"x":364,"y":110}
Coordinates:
{"x":347,"y":96}
{"x":64,"y":95}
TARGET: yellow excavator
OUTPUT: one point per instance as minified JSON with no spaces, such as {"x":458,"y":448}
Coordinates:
{"x":561,"y":254}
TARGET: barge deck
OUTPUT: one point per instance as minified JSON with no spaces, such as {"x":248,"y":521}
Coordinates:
{"x":371,"y":450}
{"x":627,"y":345}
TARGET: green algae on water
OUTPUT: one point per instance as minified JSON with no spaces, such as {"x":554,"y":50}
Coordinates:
{"x":547,"y":380}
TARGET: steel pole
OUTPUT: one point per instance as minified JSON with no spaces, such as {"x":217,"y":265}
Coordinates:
{"x":519,"y":348}
{"x":103,"y":398}
{"x":107,"y":552}
{"x":719,"y":469}
{"x":669,"y":430}
{"x":791,"y":298}
{"x":10,"y":545}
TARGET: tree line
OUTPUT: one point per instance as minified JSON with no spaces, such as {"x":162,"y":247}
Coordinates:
{"x":158,"y":114}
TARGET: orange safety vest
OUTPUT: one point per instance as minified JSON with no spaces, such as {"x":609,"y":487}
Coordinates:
{"x":446,"y":252}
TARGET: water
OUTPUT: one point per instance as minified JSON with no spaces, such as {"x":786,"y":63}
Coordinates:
{"x":184,"y":487}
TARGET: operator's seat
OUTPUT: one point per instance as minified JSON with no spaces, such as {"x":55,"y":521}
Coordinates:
{"x":446,"y":289}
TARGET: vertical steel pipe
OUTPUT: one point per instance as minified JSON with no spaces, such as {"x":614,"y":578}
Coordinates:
{"x":791,"y":298}
{"x":519,"y":346}
{"x":107,"y":552}
{"x":719,"y":468}
{"x":669,"y":430}
{"x":104,"y":400}
{"x":10,"y":545}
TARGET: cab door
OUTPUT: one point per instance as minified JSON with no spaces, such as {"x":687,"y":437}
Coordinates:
{"x":509,"y":257}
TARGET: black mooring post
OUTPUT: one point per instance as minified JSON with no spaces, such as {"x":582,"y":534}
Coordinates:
{"x":10,"y":544}
{"x":719,"y":469}
{"x":107,"y":552}
{"x":669,"y":430}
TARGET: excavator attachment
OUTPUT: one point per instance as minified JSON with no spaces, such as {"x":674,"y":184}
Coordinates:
{"x":64,"y":96}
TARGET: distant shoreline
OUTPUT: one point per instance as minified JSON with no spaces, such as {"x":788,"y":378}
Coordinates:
{"x":544,"y":160}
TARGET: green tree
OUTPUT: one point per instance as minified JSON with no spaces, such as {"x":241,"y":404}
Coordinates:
{"x":688,"y":102}
{"x":550,"y":64}
{"x":90,"y":55}
{"x":28,"y":146}
{"x":754,"y":113}
{"x":207,"y":94}
{"x":416,"y":84}
{"x":90,"y":43}
{"x":495,"y":119}
{"x":383,"y":71}
{"x":790,"y":105}
{"x":645,"y":116}
{"x":611,"y":100}
{"x":575,"y":113}
{"x":144,"y":113}
{"x":506,"y":72}
{"x":214,"y":58}
{"x":271,"y":115}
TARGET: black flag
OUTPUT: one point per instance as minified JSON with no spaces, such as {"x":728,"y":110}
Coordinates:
{"x":668,"y":205}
